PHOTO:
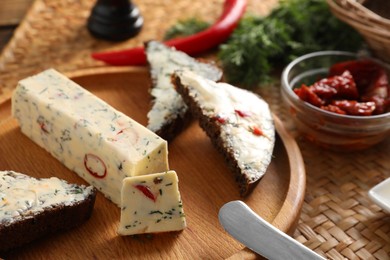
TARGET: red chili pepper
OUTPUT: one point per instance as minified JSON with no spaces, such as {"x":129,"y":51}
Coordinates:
{"x":146,"y":191}
{"x":257,"y":131}
{"x":95,"y":166}
{"x":242,"y":113}
{"x":43,"y":127}
{"x":220,"y":119}
{"x":192,"y":45}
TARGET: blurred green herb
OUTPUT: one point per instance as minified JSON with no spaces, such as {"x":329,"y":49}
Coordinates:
{"x":292,"y":29}
{"x":185,"y":28}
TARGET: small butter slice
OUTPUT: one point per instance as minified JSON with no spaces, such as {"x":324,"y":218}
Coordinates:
{"x":151,"y":204}
{"x":99,"y":143}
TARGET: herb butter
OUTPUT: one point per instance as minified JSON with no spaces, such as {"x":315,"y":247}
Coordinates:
{"x":168,"y":107}
{"x":151,"y":204}
{"x":238,"y":122}
{"x":22,"y":196}
{"x":91,"y":138}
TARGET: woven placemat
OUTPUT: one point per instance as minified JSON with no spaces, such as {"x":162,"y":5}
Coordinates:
{"x":338,"y":220}
{"x":54,"y":34}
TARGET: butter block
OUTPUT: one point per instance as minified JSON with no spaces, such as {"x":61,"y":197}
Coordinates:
{"x":151,"y":204}
{"x":99,"y":143}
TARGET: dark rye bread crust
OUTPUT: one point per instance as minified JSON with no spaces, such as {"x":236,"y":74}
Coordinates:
{"x":173,"y":127}
{"x":49,"y":221}
{"x":170,"y":130}
{"x":213,"y":130}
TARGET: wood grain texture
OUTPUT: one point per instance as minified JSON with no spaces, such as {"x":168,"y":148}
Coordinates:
{"x":204,"y":180}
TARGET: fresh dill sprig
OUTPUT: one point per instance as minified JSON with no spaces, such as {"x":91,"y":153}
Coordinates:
{"x":294,"y":28}
{"x":260,"y":44}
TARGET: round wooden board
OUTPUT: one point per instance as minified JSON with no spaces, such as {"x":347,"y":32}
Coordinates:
{"x":204,"y":180}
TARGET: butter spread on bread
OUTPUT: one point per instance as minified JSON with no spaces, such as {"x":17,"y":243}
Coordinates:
{"x":31,"y":208}
{"x":169,"y":114}
{"x":238,"y":122}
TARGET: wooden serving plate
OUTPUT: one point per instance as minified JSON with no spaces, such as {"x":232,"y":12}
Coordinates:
{"x":204,"y":180}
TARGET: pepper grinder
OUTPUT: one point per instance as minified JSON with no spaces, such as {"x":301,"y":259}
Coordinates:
{"x":114,"y":20}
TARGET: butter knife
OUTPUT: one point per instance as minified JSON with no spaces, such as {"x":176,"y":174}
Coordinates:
{"x":258,"y":235}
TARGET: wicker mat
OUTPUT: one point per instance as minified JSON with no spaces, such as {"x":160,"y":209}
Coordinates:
{"x":338,"y":220}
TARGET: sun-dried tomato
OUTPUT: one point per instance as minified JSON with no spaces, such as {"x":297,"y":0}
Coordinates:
{"x":352,"y":107}
{"x":363,"y":71}
{"x":306,"y":94}
{"x":334,"y":109}
{"x":371,"y":81}
{"x":357,"y":87}
{"x":340,"y":86}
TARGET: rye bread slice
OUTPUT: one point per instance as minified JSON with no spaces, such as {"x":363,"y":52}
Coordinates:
{"x":238,"y":122}
{"x":169,"y":115}
{"x":32,"y":216}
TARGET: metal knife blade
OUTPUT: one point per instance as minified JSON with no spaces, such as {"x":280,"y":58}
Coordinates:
{"x":260,"y":236}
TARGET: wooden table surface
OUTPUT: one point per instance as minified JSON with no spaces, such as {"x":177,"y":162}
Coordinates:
{"x":12,"y":13}
{"x":338,"y":218}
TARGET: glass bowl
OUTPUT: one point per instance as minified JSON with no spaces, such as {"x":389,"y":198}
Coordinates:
{"x":327,"y":129}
